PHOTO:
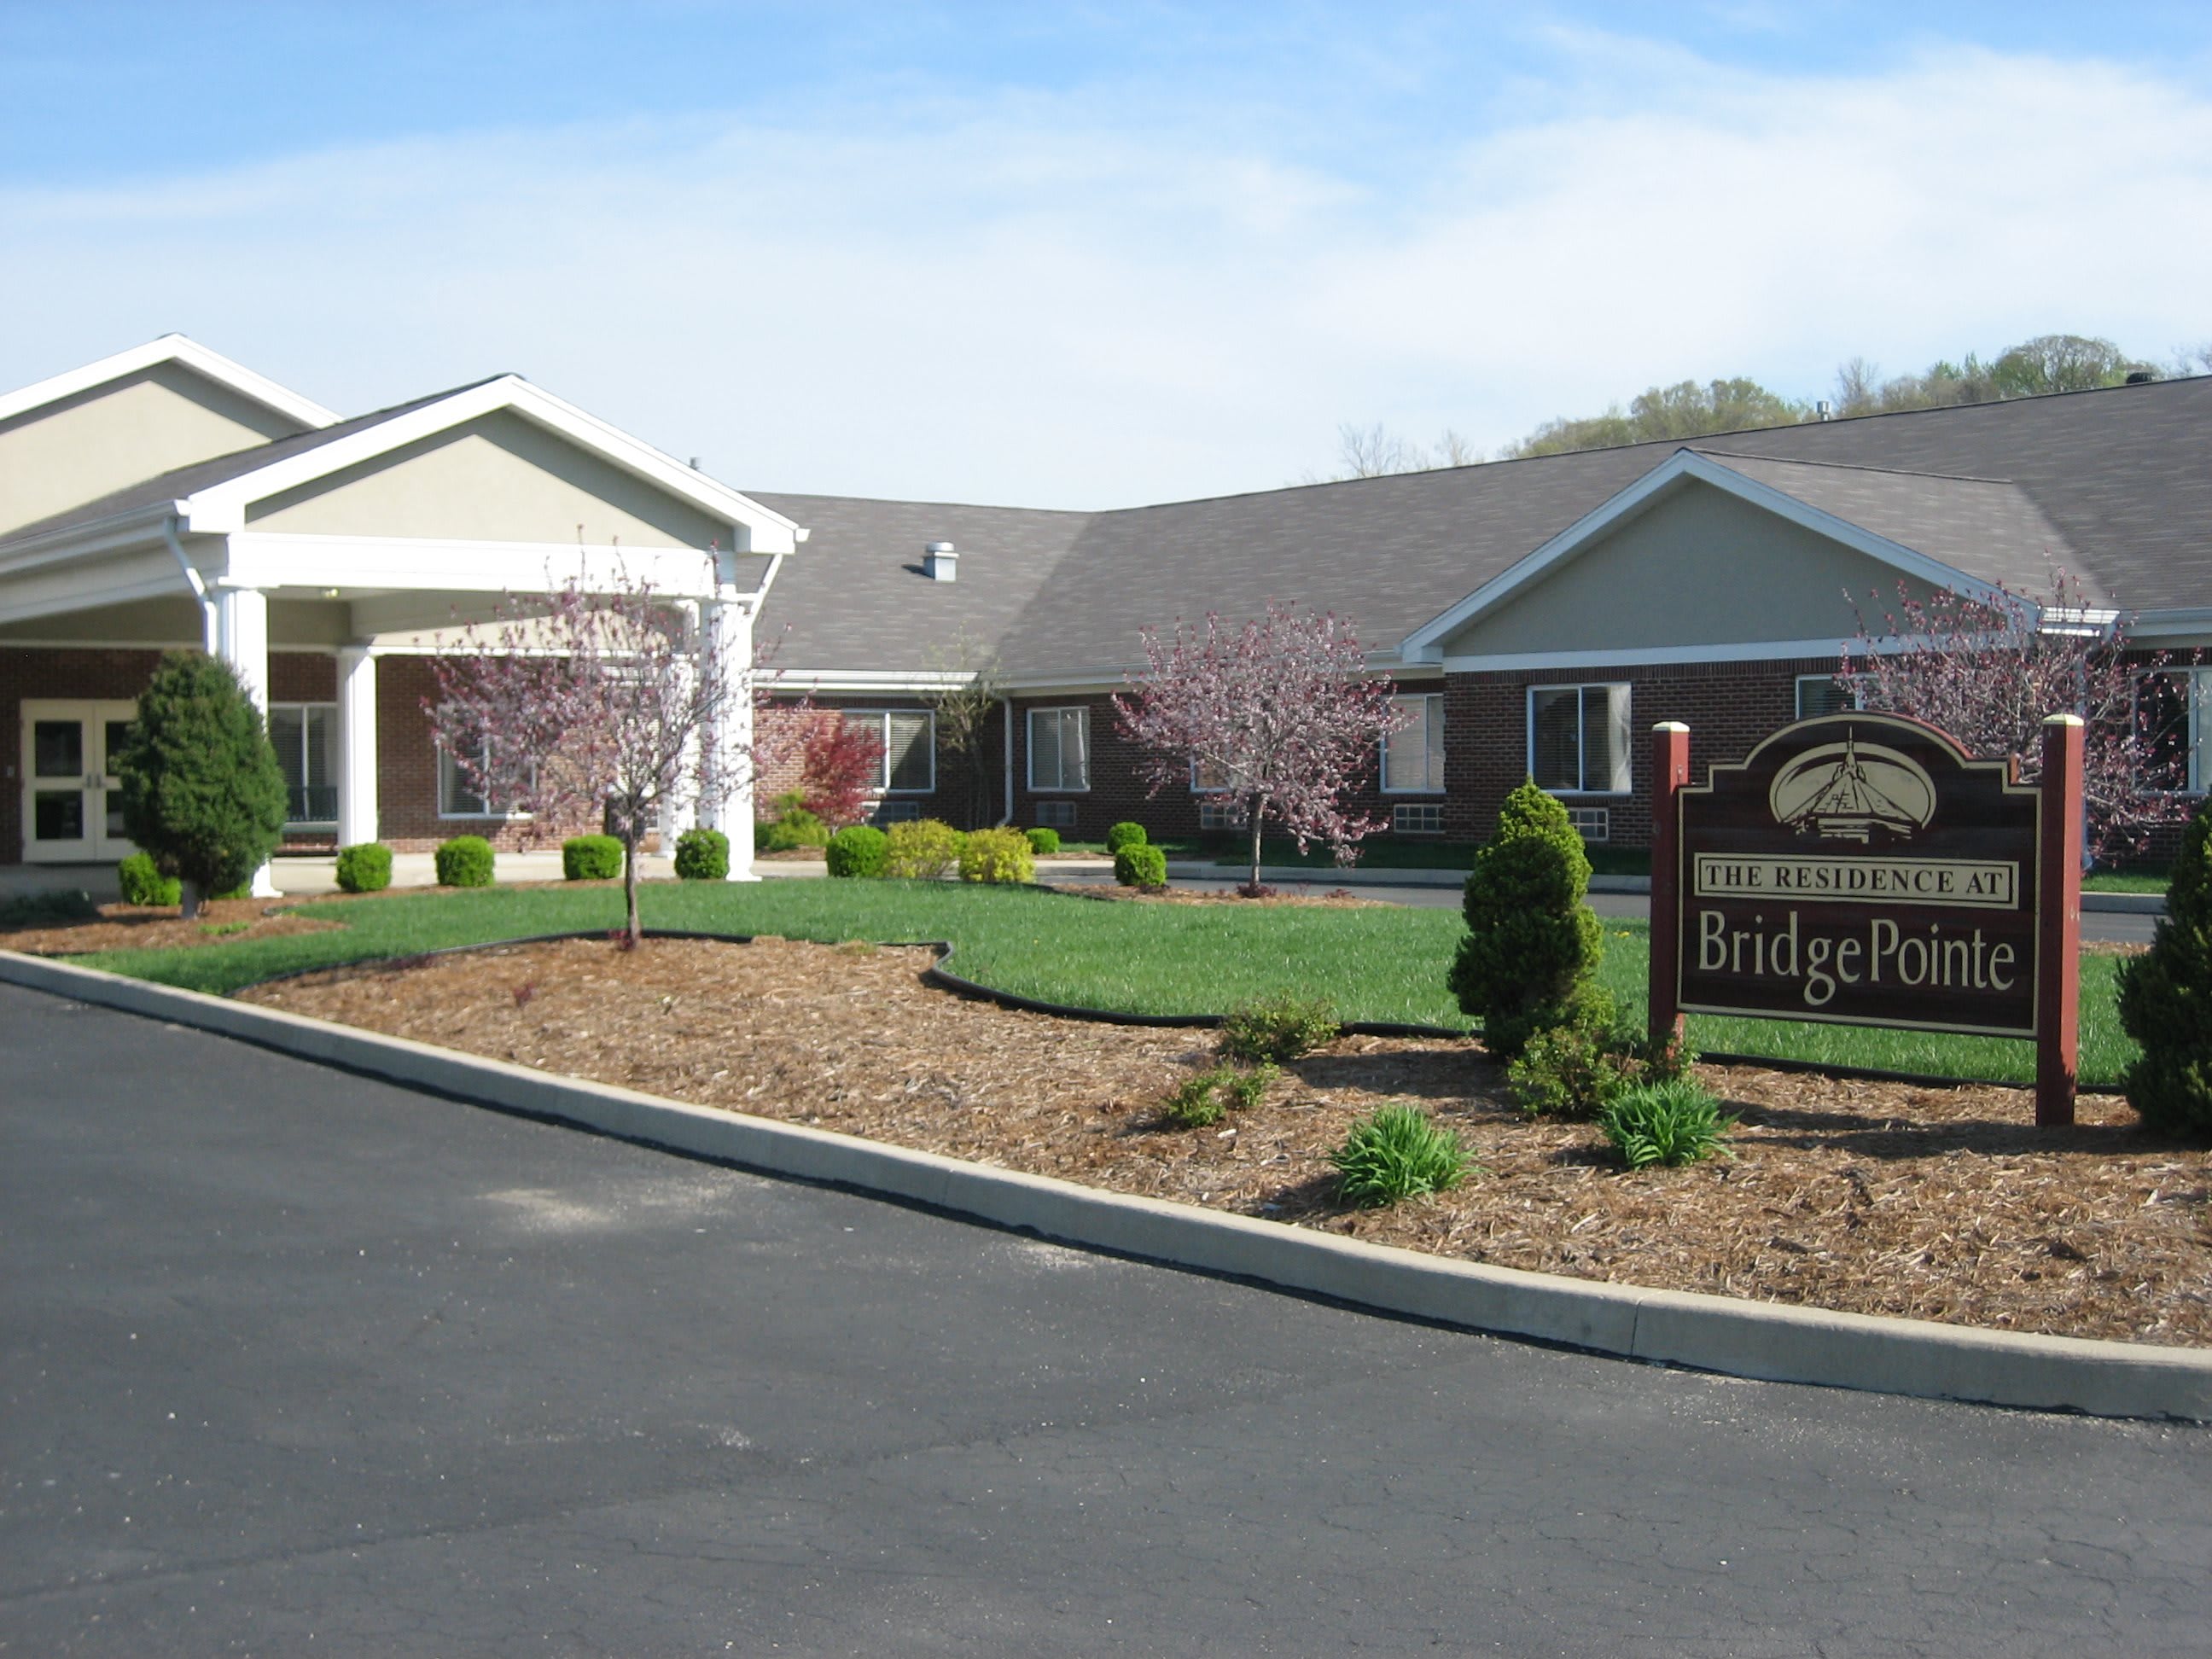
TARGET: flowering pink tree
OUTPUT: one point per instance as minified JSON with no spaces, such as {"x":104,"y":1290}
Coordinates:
{"x":1281,"y":714}
{"x":1989,"y":672}
{"x":606,"y":702}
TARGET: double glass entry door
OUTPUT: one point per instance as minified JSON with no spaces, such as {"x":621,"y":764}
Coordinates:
{"x":72,"y":807}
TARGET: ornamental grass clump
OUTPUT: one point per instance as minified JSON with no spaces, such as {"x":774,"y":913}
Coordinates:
{"x":1666,"y":1123}
{"x":2165,"y":997}
{"x":1399,"y":1153}
{"x":1278,"y":1028}
{"x":998,"y":857}
{"x":922,"y":849}
{"x":1205,"y":1098}
{"x":1532,"y":945}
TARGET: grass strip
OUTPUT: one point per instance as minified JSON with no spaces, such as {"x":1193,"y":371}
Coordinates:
{"x":1378,"y":964}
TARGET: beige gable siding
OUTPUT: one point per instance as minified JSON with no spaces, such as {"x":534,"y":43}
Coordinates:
{"x":66,"y":454}
{"x":499,"y":478}
{"x":1700,"y":567}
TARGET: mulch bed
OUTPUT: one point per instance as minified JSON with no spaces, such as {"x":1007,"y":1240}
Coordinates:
{"x":158,"y":928}
{"x":1878,"y":1198}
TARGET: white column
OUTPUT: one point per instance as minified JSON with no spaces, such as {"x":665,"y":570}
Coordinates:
{"x":726,"y":802}
{"x":241,"y":630}
{"x":357,"y":815}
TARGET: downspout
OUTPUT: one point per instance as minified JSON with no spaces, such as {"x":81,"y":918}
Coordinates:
{"x":1007,"y":732}
{"x":208,"y":640}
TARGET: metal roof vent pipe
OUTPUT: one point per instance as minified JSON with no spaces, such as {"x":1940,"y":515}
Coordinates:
{"x":1824,"y":411}
{"x":939,"y":562}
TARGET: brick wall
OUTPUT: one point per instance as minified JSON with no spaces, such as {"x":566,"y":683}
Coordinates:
{"x":36,"y":673}
{"x":952,"y":800}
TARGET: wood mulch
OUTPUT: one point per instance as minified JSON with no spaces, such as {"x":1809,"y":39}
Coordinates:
{"x":1944,"y":1204}
{"x":159,"y":927}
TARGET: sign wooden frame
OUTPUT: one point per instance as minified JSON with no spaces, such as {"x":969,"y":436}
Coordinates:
{"x":1841,"y":836}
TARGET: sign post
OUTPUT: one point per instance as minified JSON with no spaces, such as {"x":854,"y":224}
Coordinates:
{"x":2058,"y":991}
{"x":1862,"y":869}
{"x":1670,"y":771}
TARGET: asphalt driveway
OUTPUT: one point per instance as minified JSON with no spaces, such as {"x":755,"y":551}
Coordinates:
{"x":293,"y":1362}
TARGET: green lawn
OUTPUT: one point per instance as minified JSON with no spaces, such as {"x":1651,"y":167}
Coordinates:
{"x":1383,"y":963}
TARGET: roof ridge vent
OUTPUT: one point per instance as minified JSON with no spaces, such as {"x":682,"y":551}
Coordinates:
{"x":939,"y":561}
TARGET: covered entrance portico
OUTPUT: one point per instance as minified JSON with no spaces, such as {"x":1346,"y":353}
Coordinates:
{"x":325,"y":569}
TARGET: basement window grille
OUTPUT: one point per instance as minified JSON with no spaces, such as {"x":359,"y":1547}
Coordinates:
{"x":1220,"y":815}
{"x":1417,"y":819}
{"x":1056,"y":815}
{"x":1591,"y":823}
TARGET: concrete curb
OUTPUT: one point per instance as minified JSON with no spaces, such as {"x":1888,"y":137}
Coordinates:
{"x":1717,"y":1334}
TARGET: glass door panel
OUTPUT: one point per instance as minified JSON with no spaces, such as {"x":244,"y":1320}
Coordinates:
{"x":57,"y":787}
{"x":115,"y":732}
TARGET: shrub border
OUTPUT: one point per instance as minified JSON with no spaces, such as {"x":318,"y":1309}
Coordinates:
{"x":1771,"y":1341}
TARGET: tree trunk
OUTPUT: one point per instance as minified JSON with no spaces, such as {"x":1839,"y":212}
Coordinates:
{"x":1258,"y":808}
{"x":630,"y":881}
{"x":189,"y":904}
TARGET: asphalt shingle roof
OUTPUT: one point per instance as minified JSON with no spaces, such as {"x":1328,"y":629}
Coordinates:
{"x":2112,"y":485}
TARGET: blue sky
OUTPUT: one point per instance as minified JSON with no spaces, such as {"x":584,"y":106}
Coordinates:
{"x":1091,"y":255}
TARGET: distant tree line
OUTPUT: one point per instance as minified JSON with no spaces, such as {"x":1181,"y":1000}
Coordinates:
{"x":1691,"y":409}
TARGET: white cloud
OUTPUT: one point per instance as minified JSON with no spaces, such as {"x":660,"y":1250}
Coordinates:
{"x":1090,"y":300}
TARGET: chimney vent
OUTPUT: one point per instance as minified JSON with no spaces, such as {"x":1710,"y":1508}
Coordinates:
{"x":939,"y":562}
{"x":1824,"y":411}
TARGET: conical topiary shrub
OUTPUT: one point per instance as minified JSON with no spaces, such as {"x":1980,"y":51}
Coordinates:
{"x":1532,"y":945}
{"x":201,"y":790}
{"x":2165,"y":997}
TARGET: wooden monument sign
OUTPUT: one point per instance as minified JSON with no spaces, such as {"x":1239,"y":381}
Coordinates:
{"x":1862,"y":869}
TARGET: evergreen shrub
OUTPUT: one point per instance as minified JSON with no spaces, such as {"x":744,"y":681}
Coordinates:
{"x":793,"y":827}
{"x":202,"y":792}
{"x":1126,"y":834}
{"x":2165,"y":997}
{"x":1532,"y":945}
{"x":1576,"y":1071}
{"x":54,"y":904}
{"x":922,"y":849}
{"x":702,"y":855}
{"x":1278,"y":1028}
{"x":1000,"y":857}
{"x":140,"y":882}
{"x":1141,"y":865}
{"x":464,"y":861}
{"x":1043,"y":841}
{"x":857,"y":852}
{"x":364,"y":868}
{"x":591,"y":858}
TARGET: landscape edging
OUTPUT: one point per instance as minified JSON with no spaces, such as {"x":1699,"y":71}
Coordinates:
{"x":1770,"y":1341}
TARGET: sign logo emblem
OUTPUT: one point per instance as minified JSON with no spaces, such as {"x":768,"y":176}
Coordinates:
{"x":1851,"y":791}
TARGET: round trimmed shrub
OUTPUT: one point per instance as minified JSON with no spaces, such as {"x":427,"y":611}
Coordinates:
{"x":858,"y":851}
{"x":202,"y":792}
{"x":464,"y":861}
{"x":1126,"y":834}
{"x":702,"y":855}
{"x":140,"y":882}
{"x":1141,"y":866}
{"x":1000,"y":857}
{"x":922,"y":849}
{"x":1531,"y":950}
{"x":365,"y":868}
{"x":2165,"y":997}
{"x":591,"y":858}
{"x":1043,"y":842}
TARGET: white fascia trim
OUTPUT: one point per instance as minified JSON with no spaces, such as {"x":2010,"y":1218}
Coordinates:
{"x":1632,"y":656}
{"x":2181,"y":622}
{"x":170,"y":585}
{"x":170,"y":348}
{"x":221,"y":508}
{"x":415,"y":563}
{"x":867,"y":679}
{"x":136,"y":528}
{"x":1426,"y":641}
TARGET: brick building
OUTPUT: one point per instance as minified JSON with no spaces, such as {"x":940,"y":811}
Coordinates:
{"x":1544,"y":612}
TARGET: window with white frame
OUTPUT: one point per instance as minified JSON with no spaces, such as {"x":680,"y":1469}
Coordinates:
{"x":1059,"y":749}
{"x":1578,"y":738}
{"x":1413,"y":756}
{"x":1056,"y":815}
{"x":457,"y":798}
{"x":1824,"y":694}
{"x":908,"y":739}
{"x":1215,"y":813}
{"x":305,"y":736}
{"x":1417,"y":819}
{"x":2174,"y":712}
